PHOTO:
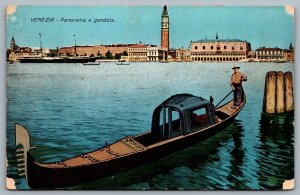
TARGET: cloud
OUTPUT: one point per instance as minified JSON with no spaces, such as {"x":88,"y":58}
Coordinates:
{"x":11,"y":9}
{"x":290,"y":10}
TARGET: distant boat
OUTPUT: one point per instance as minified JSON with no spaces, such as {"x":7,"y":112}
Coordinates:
{"x":91,"y":63}
{"x":281,"y":61}
{"x":248,"y":60}
{"x":164,"y":61}
{"x":122,"y":62}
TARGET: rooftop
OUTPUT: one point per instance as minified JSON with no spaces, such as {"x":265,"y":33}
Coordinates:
{"x":268,"y":49}
{"x":184,"y":102}
{"x":111,"y":45}
{"x":217,"y":40}
{"x":165,"y":11}
{"x":139,"y":46}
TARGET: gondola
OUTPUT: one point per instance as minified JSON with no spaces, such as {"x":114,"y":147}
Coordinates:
{"x":91,"y":63}
{"x":122,"y":62}
{"x":179,"y":122}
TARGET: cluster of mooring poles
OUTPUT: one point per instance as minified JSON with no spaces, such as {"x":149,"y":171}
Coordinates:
{"x":278,"y":97}
{"x":277,"y":106}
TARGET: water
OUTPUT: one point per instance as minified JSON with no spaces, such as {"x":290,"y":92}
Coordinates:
{"x":70,"y":109}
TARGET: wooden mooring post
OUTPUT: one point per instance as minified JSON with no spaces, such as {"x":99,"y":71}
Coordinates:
{"x":278,"y":96}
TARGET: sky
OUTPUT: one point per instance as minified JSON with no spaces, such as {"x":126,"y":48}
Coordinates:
{"x":269,"y":26}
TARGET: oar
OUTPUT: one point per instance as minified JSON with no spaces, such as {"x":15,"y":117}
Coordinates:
{"x":223,"y":98}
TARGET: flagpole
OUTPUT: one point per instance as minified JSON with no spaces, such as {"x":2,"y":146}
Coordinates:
{"x":41,"y":47}
{"x":75,"y":45}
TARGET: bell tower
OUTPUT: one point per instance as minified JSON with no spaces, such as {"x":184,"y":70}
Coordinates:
{"x":165,"y":28}
{"x":12,"y":44}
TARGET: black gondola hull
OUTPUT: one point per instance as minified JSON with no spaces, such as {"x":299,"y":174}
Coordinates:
{"x":40,"y":177}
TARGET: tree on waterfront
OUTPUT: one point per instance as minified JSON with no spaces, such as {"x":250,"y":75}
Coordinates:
{"x":118,"y":56}
{"x":99,"y":55}
{"x":124,"y":53}
{"x":109,"y":55}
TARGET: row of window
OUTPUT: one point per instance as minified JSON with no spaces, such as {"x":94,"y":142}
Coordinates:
{"x":219,"y":48}
{"x":137,"y":50}
{"x":137,"y":54}
{"x":138,"y":59}
{"x":219,"y":59}
{"x":152,"y":59}
{"x":217,"y":54}
{"x":152,"y":52}
{"x":146,"y":54}
{"x":269,"y":52}
{"x":270,"y":57}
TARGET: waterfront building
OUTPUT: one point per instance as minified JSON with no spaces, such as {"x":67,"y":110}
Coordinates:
{"x":95,"y":50}
{"x":18,"y":52}
{"x":269,"y":54}
{"x":219,"y":50}
{"x":165,"y":28}
{"x":50,"y":52}
{"x":15,"y":48}
{"x":183,"y":55}
{"x":21,"y":52}
{"x":45,"y":52}
{"x":156,"y":54}
{"x":172,"y":54}
{"x":138,"y":53}
{"x":288,"y":54}
{"x":252,"y":54}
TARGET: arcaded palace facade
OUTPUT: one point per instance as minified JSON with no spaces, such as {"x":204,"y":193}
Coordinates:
{"x":219,"y":50}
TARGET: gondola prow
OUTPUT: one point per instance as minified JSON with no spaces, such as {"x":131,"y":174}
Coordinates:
{"x":22,"y":147}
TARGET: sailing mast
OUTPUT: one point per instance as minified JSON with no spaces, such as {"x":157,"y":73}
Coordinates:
{"x":41,"y":47}
{"x":75,"y":45}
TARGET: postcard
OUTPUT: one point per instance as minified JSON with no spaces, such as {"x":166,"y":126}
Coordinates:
{"x":150,"y":97}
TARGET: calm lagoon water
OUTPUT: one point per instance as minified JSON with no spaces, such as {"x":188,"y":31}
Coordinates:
{"x":70,"y":109}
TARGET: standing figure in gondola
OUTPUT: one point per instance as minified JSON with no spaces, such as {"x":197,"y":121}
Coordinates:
{"x":236,"y":83}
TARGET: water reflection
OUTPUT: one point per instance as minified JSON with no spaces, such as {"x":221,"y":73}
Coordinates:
{"x":276,"y":152}
{"x":237,"y":159}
